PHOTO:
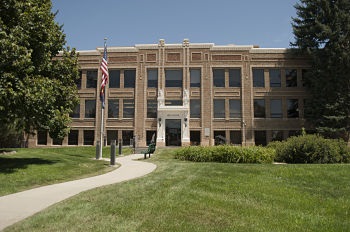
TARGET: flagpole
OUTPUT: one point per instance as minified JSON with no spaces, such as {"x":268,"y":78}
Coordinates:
{"x":103,"y":83}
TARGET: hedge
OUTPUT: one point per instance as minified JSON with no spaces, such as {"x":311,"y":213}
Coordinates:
{"x":311,"y":149}
{"x":226,"y":154}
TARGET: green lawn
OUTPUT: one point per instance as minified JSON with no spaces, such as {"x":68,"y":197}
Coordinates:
{"x":30,"y":168}
{"x":186,"y":196}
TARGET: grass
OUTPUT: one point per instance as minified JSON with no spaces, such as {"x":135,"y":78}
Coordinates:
{"x":29,"y":168}
{"x":186,"y":196}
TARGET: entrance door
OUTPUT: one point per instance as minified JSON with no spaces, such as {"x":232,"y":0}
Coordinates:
{"x":173,"y":132}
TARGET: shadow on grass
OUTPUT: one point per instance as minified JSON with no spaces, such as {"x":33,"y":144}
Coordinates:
{"x":9,"y":165}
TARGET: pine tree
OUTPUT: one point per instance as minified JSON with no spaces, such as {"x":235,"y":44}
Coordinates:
{"x":322,"y":31}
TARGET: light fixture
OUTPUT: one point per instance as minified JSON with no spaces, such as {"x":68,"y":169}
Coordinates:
{"x":185,"y":119}
{"x":159,"y":121}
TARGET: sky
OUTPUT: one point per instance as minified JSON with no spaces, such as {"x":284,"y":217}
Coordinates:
{"x":86,"y":23}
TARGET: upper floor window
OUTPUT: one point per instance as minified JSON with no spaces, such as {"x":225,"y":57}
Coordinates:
{"x":219,"y":108}
{"x":219,"y":77}
{"x":234,"y":77}
{"x":304,"y":75}
{"x":291,"y":78}
{"x":292,"y":108}
{"x":152,"y":78}
{"x":275,"y":77}
{"x":258,"y":77}
{"x":114,"y":79}
{"x":78,"y":81}
{"x":276,"y":108}
{"x":235,"y":108}
{"x":128,"y":108}
{"x":129,"y":78}
{"x":195,"y":78}
{"x":259,"y":108}
{"x":173,"y":78}
{"x":172,"y":102}
{"x":91,"y":78}
{"x":152,"y":108}
{"x":76,"y":112}
{"x":90,"y":108}
{"x":195,"y":108}
{"x":113,"y":108}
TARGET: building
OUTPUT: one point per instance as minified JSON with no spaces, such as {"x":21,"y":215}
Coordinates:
{"x":188,"y":94}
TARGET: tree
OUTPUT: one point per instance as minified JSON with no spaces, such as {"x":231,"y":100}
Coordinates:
{"x":322,"y":31}
{"x":37,"y":71}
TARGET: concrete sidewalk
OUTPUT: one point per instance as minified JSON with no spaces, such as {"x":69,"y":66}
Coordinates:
{"x":18,"y":206}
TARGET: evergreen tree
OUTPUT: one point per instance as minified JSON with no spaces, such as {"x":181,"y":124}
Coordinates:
{"x":322,"y":31}
{"x":37,"y":83}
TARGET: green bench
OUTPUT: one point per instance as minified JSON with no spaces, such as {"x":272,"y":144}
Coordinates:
{"x":150,"y":150}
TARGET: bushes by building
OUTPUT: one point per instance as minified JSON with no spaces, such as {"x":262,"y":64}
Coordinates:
{"x":311,"y":149}
{"x":226,"y":154}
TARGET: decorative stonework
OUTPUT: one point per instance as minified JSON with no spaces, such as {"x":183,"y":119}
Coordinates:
{"x":173,"y":57}
{"x":226,"y":57}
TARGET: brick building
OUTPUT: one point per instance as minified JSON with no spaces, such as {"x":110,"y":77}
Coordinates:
{"x":188,"y":94}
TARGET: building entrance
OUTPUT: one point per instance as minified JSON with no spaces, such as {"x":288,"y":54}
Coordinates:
{"x":173,"y":132}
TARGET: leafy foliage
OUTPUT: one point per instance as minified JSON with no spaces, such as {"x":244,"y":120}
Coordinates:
{"x":226,"y":154}
{"x":37,"y":89}
{"x":322,"y":31}
{"x":311,"y":149}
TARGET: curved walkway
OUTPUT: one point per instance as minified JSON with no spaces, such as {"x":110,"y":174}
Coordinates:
{"x":18,"y":206}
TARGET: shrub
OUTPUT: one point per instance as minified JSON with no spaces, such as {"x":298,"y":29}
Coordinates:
{"x":311,"y":149}
{"x":226,"y":154}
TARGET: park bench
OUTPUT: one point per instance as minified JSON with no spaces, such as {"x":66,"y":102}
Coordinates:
{"x":150,"y":150}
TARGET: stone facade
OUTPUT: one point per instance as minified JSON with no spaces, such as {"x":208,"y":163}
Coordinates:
{"x":188,"y":94}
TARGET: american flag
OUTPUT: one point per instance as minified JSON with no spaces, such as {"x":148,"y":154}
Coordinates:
{"x":104,"y":69}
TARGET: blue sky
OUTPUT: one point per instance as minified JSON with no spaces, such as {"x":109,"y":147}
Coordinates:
{"x":86,"y":23}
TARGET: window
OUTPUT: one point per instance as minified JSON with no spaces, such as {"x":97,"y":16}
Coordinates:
{"x":292,"y":108}
{"x":91,"y":78}
{"x":235,"y":108}
{"x":127,"y":136}
{"x":235,"y":137}
{"x":195,"y":108}
{"x":277,"y":135}
{"x":258,"y":78}
{"x":195,"y":78}
{"x":113,"y":108}
{"x":151,"y":135}
{"x":259,"y":108}
{"x":76,"y":112}
{"x":42,"y":137}
{"x":260,"y":138}
{"x":129,"y":78}
{"x":152,"y":78}
{"x":275,"y":77}
{"x":152,"y":108}
{"x":78,"y":81}
{"x":195,"y":138}
{"x":112,"y":135}
{"x":170,"y":102}
{"x":219,"y":77}
{"x":234,"y":77}
{"x":276,"y":108}
{"x":220,"y":137}
{"x":114,"y":79}
{"x":173,"y":78}
{"x":304,"y":75}
{"x":57,"y":141}
{"x":90,"y":108}
{"x":73,"y":137}
{"x":128,"y":108}
{"x":219,"y":108}
{"x":291,"y":78}
{"x":89,"y":137}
